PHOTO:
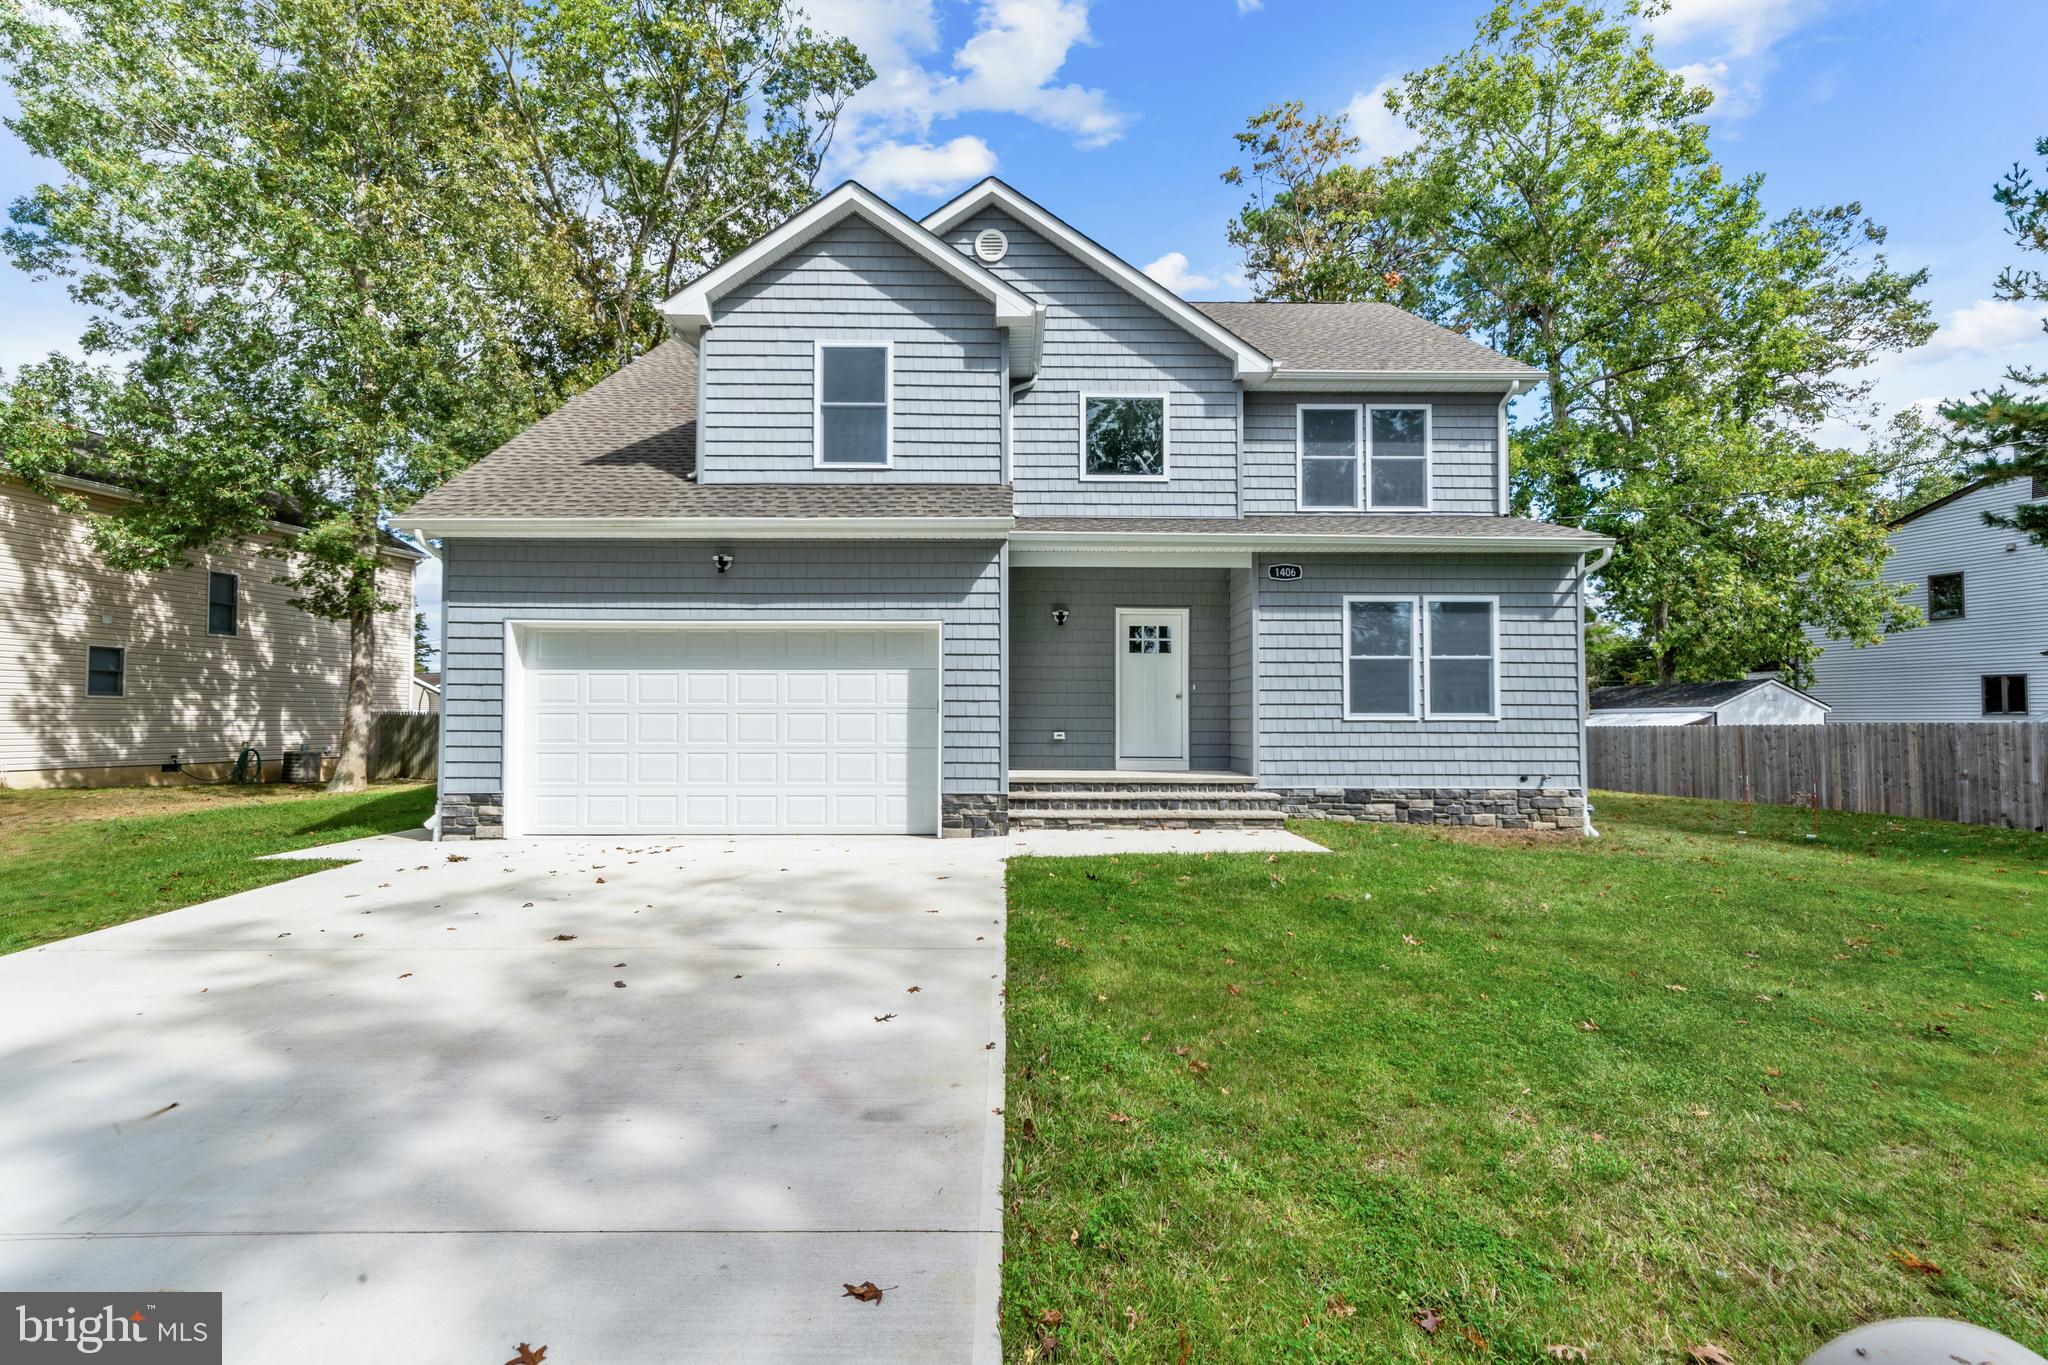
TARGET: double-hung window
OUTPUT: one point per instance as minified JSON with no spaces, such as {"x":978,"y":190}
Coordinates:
{"x":1379,"y":658}
{"x":1430,"y":658}
{"x":106,"y":671}
{"x":1462,"y":659}
{"x":1363,"y":457}
{"x":852,"y":420}
{"x":1123,"y":436}
{"x":2005,"y":694}
{"x":223,"y":607}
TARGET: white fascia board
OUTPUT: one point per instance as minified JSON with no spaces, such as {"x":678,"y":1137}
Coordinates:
{"x":1027,"y":553}
{"x":1248,"y":364}
{"x":1399,"y":381}
{"x":1101,"y":542}
{"x":690,"y":311}
{"x":727,"y":528}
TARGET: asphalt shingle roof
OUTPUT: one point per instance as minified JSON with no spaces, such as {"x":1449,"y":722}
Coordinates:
{"x":627,"y":447}
{"x":1698,"y":696}
{"x":1358,"y":336}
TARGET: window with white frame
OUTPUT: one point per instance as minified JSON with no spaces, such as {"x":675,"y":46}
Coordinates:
{"x":1379,"y":658}
{"x":1331,"y":440}
{"x":1397,"y":444}
{"x":1460,"y":659}
{"x":1123,"y":436}
{"x":853,"y":404}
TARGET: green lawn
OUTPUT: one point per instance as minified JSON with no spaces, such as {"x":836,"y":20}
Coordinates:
{"x":73,"y":861}
{"x":1675,"y":1086}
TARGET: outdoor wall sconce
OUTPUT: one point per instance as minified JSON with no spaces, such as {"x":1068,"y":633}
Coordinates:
{"x":1059,"y":616}
{"x":723,"y":562}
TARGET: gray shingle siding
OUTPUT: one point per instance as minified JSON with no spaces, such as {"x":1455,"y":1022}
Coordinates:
{"x":1064,"y":677}
{"x":1304,"y":740}
{"x":490,"y":582}
{"x":1100,"y":339}
{"x":1243,"y":712}
{"x":851,"y":283}
{"x":1464,"y":450}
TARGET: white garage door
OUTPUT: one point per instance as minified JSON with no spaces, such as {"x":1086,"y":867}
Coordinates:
{"x":790,"y":730}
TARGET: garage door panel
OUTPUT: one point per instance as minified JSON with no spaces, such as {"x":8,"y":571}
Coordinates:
{"x":733,"y":730}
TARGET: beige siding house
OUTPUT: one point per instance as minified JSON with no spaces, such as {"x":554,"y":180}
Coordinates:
{"x":104,"y":676}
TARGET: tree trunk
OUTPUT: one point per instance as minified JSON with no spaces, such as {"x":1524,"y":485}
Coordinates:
{"x":352,"y":769}
{"x":1667,"y":658}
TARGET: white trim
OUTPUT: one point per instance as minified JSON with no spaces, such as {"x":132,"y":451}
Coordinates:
{"x":1416,"y":680}
{"x":1357,"y":411}
{"x":1308,"y":539}
{"x":689,"y":312}
{"x":510,"y":728}
{"x":1428,"y":458}
{"x":1165,"y":438}
{"x":888,"y":349}
{"x":1187,"y":703}
{"x":1400,"y":381}
{"x":1493,"y":660}
{"x":724,"y":528}
{"x":1248,"y":363}
{"x":1025,"y":556}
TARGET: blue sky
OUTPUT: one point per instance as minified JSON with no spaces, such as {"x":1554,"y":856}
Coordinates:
{"x":1118,"y":116}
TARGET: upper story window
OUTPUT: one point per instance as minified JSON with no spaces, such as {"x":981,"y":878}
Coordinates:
{"x":223,"y":605}
{"x":853,"y":405}
{"x":2005,"y":694}
{"x":1363,"y":457}
{"x":106,"y":671}
{"x":1944,"y":597}
{"x":1123,"y":437}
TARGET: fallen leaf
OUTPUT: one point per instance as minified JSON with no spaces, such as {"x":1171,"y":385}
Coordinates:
{"x":1588,"y":1026}
{"x":461,"y":858}
{"x":1337,"y":1306}
{"x":1674,"y":986}
{"x":1428,"y":1321}
{"x":1707,"y":1353}
{"x":1237,"y":990}
{"x":565,"y":938}
{"x":529,"y":1355}
{"x":1051,"y":1317}
{"x":912,"y":990}
{"x":884,"y":1018}
{"x":1561,"y":1352}
{"x":600,"y":881}
{"x":866,"y":1291}
{"x":1198,"y":1066}
{"x":620,"y":984}
{"x":1792,"y":1106}
{"x":403,"y":975}
{"x":1472,"y":1335}
{"x":1411,"y":940}
{"x":1119,"y":1118}
{"x":1908,"y":1261}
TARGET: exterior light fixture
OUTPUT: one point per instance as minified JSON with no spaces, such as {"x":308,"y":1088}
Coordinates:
{"x":723,"y":561}
{"x":1059,"y":616}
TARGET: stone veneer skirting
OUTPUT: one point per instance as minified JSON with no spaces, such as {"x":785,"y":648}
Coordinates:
{"x":981,"y":816}
{"x":478,"y":816}
{"x":1531,"y":808}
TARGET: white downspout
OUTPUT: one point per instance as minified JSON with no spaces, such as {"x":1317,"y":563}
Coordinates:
{"x":1585,"y":701}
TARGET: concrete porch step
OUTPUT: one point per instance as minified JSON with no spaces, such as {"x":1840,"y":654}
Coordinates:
{"x":1145,"y":816}
{"x":1161,"y":798}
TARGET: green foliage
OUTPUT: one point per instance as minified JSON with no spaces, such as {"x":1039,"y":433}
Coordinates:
{"x":422,"y":648}
{"x":1563,"y":204}
{"x":2006,"y":428}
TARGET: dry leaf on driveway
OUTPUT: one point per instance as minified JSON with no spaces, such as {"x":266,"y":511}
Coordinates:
{"x":866,"y":1291}
{"x":529,"y":1355}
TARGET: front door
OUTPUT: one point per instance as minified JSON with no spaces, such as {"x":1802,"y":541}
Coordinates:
{"x":1152,"y":688}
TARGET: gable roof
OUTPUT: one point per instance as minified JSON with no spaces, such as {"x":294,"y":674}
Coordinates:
{"x":2037,"y":491}
{"x":689,"y":312}
{"x":1697,"y":696}
{"x":1248,"y":362}
{"x":625,"y":451}
{"x":1315,"y":339}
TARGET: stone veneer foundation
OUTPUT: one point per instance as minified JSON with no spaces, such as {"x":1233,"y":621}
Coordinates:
{"x":983,"y":816}
{"x":1551,"y":809}
{"x":479,"y":816}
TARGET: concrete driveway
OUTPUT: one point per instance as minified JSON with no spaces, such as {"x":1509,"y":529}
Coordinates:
{"x":403,"y":1111}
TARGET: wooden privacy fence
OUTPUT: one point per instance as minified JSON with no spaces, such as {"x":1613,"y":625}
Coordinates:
{"x":402,"y":745}
{"x":1982,"y":774}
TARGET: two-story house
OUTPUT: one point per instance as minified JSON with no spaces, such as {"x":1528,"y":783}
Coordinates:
{"x":1983,"y":596}
{"x":944,"y":525}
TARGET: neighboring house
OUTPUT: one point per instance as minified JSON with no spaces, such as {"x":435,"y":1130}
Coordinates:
{"x":425,"y":695}
{"x":1757,"y":700}
{"x":945,"y":525}
{"x":106,"y":677}
{"x":1983,"y":591}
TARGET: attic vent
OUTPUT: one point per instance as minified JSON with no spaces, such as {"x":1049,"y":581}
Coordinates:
{"x":991,"y":245}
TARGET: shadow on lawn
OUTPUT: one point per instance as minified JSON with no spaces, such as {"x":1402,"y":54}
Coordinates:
{"x":392,"y":811}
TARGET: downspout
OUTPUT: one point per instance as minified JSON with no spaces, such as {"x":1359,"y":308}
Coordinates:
{"x":1586,"y":571}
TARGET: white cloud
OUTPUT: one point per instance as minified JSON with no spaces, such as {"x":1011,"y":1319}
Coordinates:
{"x":1985,"y":327}
{"x":1247,"y":6}
{"x":1737,"y":28}
{"x":1734,"y":97}
{"x":921,"y":168}
{"x":1381,"y":132}
{"x":1172,"y":271}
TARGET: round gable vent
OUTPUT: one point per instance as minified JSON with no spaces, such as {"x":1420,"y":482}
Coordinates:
{"x":991,"y":245}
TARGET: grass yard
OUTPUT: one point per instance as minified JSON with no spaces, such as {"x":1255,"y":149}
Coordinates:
{"x":1452,"y":1098}
{"x":74,"y":861}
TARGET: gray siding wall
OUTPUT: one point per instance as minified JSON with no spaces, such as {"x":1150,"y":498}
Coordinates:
{"x":1935,"y":671}
{"x":851,"y":283}
{"x":1100,"y":338}
{"x":1064,"y":677}
{"x":1304,"y":740}
{"x":1464,"y":449}
{"x":490,"y":582}
{"x":1243,"y":732}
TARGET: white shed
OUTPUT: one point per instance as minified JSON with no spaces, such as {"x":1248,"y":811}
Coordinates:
{"x":1762,"y":700}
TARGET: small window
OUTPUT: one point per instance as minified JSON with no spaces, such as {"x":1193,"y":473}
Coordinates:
{"x":2005,"y":694}
{"x":1399,"y":447}
{"x":853,"y":405}
{"x":1944,"y":597}
{"x":1329,"y":439}
{"x":1149,"y":640}
{"x":106,"y":671}
{"x":222,"y":606}
{"x":1461,"y":657}
{"x":1379,"y":658}
{"x":1123,"y":438}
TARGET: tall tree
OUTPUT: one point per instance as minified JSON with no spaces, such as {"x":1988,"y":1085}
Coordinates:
{"x":1563,"y":203}
{"x":2006,"y":428}
{"x":341,"y":248}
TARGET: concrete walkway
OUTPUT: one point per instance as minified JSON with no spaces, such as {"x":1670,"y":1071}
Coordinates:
{"x":393,"y":1113}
